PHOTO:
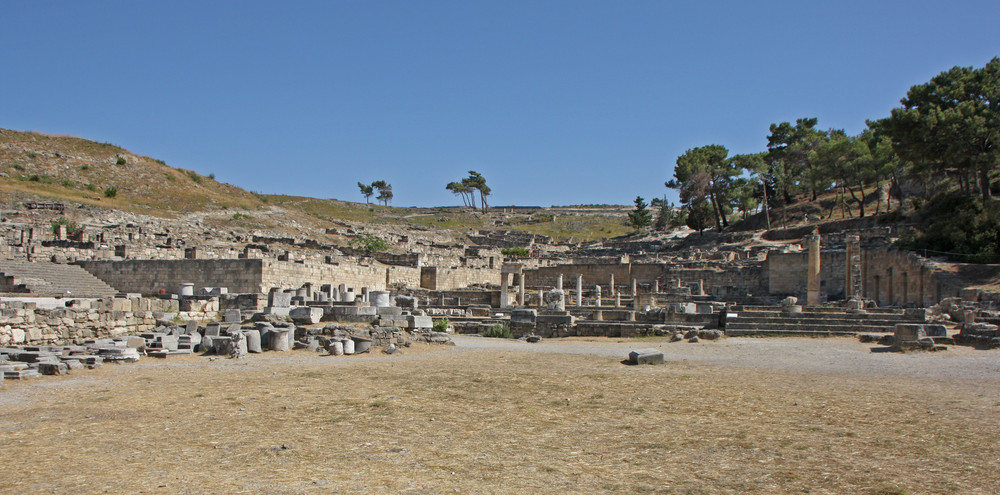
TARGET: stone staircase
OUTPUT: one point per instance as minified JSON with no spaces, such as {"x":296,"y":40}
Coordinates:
{"x":770,"y":320}
{"x":44,"y":279}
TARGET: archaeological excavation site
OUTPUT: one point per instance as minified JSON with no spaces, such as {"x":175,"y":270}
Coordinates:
{"x":206,"y":339}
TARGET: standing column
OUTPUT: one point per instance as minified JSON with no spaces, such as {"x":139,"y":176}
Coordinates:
{"x":635,"y":287}
{"x":611,"y":285}
{"x":520,"y":289}
{"x":503,"y":291}
{"x":559,"y":281}
{"x":579,"y":290}
{"x":656,"y":286}
{"x":812,"y":293}
{"x":618,"y":299}
{"x":541,"y":298}
{"x":852,"y":279}
{"x":597,"y":291}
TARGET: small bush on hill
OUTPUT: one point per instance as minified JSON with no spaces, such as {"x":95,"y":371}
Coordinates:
{"x":516,"y":252}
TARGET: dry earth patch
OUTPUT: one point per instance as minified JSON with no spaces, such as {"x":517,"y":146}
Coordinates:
{"x":501,"y":420}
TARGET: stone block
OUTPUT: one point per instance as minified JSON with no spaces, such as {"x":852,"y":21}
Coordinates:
{"x":389,"y":311}
{"x":279,"y":299}
{"x":278,"y":339}
{"x":168,"y":342}
{"x":909,"y":332}
{"x":646,"y":356}
{"x":307,"y":315}
{"x":213,"y":329}
{"x":253,"y":341}
{"x":277,"y":310}
{"x":523,"y":317}
{"x":53,"y":368}
{"x":419,"y":322}
{"x":232,"y":316}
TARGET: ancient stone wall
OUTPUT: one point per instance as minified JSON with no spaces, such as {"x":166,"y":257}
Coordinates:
{"x":894,"y":277}
{"x":24,"y":324}
{"x":787,"y":274}
{"x":147,"y":277}
{"x":889,"y":276}
{"x":292,"y":275}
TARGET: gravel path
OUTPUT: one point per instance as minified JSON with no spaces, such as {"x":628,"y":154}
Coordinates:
{"x":833,"y":355}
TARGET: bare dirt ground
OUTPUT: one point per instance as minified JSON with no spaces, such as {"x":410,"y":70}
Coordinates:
{"x":741,"y":415}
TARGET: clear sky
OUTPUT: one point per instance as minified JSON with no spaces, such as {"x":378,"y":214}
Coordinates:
{"x":554,"y":102}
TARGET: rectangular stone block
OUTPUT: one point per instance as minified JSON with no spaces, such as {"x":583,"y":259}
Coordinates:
{"x":419,"y":322}
{"x":389,"y":311}
{"x":646,"y":356}
{"x":307,"y":314}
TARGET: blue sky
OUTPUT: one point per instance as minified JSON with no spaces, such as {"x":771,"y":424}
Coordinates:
{"x":554,"y":102}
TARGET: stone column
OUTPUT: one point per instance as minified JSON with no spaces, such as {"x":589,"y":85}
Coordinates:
{"x":611,"y":284}
{"x":635,"y":287}
{"x":656,"y":286}
{"x":579,"y":290}
{"x":541,"y":298}
{"x":559,"y":282}
{"x":812,"y":292}
{"x":387,"y":279}
{"x":852,"y":277}
{"x":618,"y":299}
{"x":503,"y":291}
{"x":597,"y":291}
{"x":520,"y":289}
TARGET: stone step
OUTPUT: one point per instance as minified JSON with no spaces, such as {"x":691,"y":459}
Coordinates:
{"x":844,"y":327}
{"x":807,"y":315}
{"x":53,"y":279}
{"x":816,"y":321}
{"x":789,"y":333}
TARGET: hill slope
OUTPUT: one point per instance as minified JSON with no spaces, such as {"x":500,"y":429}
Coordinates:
{"x":73,"y":169}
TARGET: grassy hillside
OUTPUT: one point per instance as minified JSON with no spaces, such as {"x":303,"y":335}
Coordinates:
{"x":67,"y":168}
{"x":71,"y":169}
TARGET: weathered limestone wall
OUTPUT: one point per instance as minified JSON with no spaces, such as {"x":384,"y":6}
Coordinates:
{"x":23,"y":324}
{"x":291,"y":275}
{"x":460,"y":277}
{"x":147,"y":277}
{"x":889,"y":276}
{"x":893,"y":277}
{"x":787,"y":274}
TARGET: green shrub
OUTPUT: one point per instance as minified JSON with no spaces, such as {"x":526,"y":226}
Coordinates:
{"x":441,"y":325}
{"x":72,"y":229}
{"x":239,"y":216}
{"x":91,"y":188}
{"x":111,"y":192}
{"x":84,"y":168}
{"x":68,"y":184}
{"x":120,"y":160}
{"x":516,"y":252}
{"x":40,"y":178}
{"x":17,"y":166}
{"x":195,"y":177}
{"x":32,"y":154}
{"x":369,"y":243}
{"x":499,"y":330}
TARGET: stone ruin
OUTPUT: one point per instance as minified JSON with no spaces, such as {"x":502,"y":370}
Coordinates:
{"x":131,"y":278}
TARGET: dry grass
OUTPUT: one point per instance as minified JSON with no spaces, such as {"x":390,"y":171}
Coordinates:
{"x":441,"y":419}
